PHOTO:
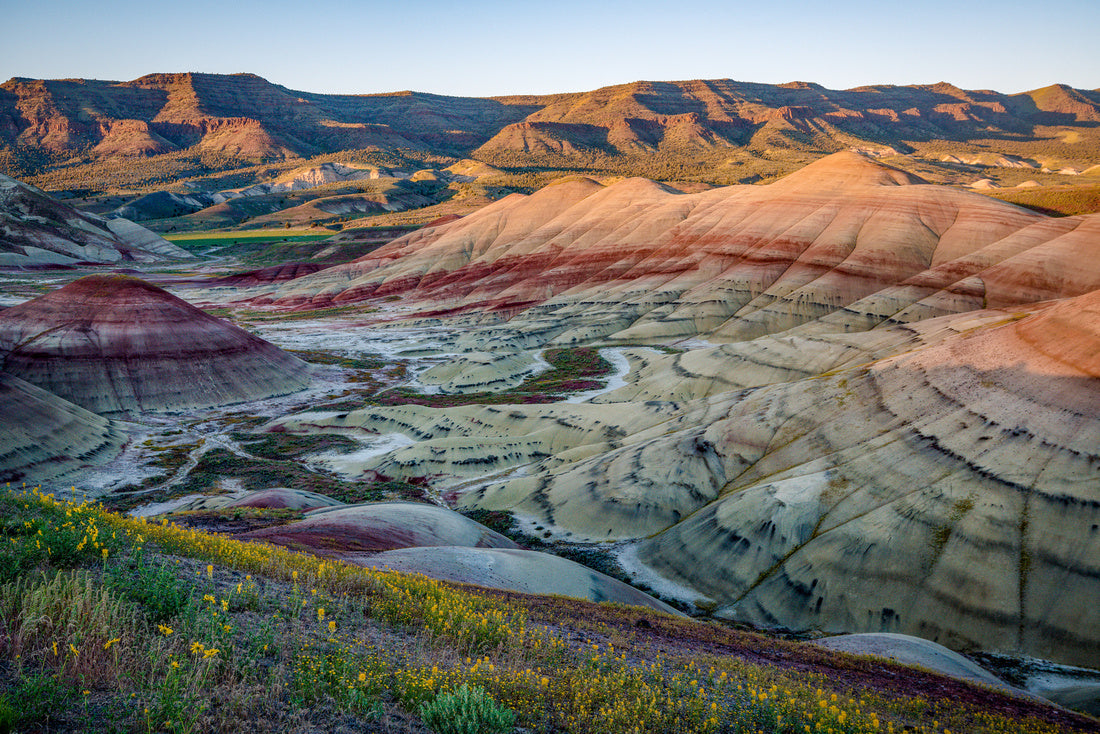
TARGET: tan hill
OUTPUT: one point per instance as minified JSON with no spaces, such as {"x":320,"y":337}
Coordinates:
{"x":36,"y":229}
{"x":118,"y":344}
{"x":636,"y":261}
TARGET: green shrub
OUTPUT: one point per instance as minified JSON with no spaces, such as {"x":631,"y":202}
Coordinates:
{"x":32,"y":700}
{"x":154,"y":586}
{"x":18,"y":560}
{"x":466,"y":711}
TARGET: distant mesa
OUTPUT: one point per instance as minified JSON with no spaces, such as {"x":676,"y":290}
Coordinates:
{"x":113,"y":343}
{"x":711,"y":127}
{"x":37,"y":230}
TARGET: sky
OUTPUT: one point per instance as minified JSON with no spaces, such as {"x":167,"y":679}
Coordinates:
{"x":497,"y":47}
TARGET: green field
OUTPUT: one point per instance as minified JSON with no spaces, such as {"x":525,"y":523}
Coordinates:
{"x":201,"y":241}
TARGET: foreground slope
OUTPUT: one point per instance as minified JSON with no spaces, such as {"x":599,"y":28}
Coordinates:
{"x":296,"y":640}
{"x":115,"y":343}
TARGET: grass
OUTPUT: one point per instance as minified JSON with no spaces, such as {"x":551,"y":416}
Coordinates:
{"x":1057,"y":201}
{"x":274,"y":639}
{"x":271,"y":639}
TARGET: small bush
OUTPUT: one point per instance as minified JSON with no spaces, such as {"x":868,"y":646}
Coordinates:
{"x":32,"y":700}
{"x":18,"y":560}
{"x":466,"y":711}
{"x":155,"y":587}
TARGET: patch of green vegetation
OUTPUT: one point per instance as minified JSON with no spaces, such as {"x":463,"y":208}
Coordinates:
{"x":172,"y":456}
{"x":942,"y":533}
{"x":236,"y":519}
{"x":32,"y":701}
{"x":280,"y":446}
{"x":220,"y":464}
{"x":243,"y":420}
{"x":203,"y":242}
{"x":155,"y":587}
{"x":273,"y":460}
{"x":466,"y":711}
{"x":272,"y":251}
{"x":321,"y":357}
{"x":571,"y":370}
{"x":1055,"y":201}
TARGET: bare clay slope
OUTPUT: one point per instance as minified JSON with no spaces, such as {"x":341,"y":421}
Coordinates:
{"x":36,"y":229}
{"x":43,"y":437}
{"x":949,"y":492}
{"x":116,"y":343}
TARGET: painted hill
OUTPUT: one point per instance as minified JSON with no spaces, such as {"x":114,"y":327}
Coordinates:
{"x":118,"y":344}
{"x":845,"y":240}
{"x":36,"y":229}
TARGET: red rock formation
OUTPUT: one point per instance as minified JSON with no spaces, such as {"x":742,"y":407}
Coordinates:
{"x":114,"y":343}
{"x":271,"y":274}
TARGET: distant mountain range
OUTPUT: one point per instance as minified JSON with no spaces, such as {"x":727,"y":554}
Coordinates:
{"x":741,"y":128}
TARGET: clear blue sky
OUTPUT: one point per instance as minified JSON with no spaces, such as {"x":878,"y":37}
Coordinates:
{"x":489,"y":47}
